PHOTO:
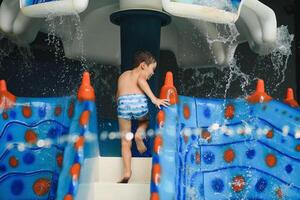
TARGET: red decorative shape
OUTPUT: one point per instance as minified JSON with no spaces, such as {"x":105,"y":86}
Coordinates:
{"x":57,"y":110}
{"x":30,"y":137}
{"x":206,"y":135}
{"x":270,"y":134}
{"x":168,"y":91}
{"x":229,"y":111}
{"x":238,"y":183}
{"x":290,"y":99}
{"x":186,"y":111}
{"x":71,"y":109}
{"x":160,"y":117}
{"x":59,"y":159}
{"x":79,"y":143}
{"x":297,"y":148}
{"x":75,"y":171}
{"x":5,"y":115}
{"x":259,"y":96}
{"x":13,"y":162}
{"x":26,"y":111}
{"x":198,"y":158}
{"x":279,"y":193}
{"x":86,"y":91}
{"x":68,"y":197}
{"x":84,"y":118}
{"x":41,"y":186}
{"x":229,"y":155}
{"x":271,"y":160}
{"x":154,"y":196}
{"x":157,"y":144}
{"x":156,"y":173}
{"x":7,"y":99}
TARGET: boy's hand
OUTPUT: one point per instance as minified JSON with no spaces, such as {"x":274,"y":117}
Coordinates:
{"x":161,"y":102}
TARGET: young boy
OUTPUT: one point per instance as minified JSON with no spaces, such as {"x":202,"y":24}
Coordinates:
{"x":132,"y":104}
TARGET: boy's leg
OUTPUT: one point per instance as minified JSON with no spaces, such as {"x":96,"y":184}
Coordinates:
{"x":125,"y":127}
{"x":140,"y":134}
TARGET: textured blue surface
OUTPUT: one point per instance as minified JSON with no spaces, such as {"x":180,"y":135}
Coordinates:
{"x":251,"y":153}
{"x":31,"y":144}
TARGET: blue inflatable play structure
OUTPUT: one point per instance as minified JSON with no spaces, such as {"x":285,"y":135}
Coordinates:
{"x":203,"y":148}
{"x":43,"y":142}
{"x":226,"y":149}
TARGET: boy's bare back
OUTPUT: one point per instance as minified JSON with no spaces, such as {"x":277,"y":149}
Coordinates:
{"x":128,"y":83}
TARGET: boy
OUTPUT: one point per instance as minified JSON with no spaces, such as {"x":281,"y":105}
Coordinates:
{"x":132,"y":104}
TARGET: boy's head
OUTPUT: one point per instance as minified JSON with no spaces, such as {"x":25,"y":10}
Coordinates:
{"x":146,"y":61}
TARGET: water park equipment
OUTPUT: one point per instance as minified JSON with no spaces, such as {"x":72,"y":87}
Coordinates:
{"x":226,"y":148}
{"x":203,"y":149}
{"x":42,"y":8}
{"x":44,"y":142}
{"x":101,"y":39}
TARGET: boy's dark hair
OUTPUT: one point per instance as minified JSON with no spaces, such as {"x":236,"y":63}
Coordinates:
{"x":143,"y":56}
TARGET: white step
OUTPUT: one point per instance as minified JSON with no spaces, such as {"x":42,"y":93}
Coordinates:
{"x":113,"y":191}
{"x":109,"y":170}
{"x":99,"y":177}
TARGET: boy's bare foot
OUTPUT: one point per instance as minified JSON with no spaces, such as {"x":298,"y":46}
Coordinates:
{"x":141,"y":147}
{"x":126,"y":178}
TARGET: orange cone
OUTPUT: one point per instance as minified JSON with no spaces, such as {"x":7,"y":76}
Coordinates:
{"x":7,"y":99}
{"x":86,"y":91}
{"x":168,"y":91}
{"x":290,"y":99}
{"x":259,"y":96}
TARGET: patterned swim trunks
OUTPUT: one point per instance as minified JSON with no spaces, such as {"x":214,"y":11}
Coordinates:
{"x":132,"y":106}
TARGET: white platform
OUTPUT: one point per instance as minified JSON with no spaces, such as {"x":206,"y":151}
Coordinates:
{"x":99,"y":178}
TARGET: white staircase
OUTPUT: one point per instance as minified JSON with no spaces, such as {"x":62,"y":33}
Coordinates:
{"x":99,"y":177}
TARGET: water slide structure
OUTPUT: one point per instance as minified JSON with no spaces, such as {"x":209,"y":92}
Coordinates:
{"x":51,"y":148}
{"x":203,"y":149}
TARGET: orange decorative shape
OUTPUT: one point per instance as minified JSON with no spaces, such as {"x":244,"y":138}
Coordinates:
{"x":168,"y":91}
{"x":57,"y":110}
{"x":41,"y":186}
{"x":7,"y":99}
{"x":259,"y":96}
{"x":290,"y":99}
{"x":271,"y":160}
{"x":68,"y":197}
{"x":270,"y":134}
{"x":86,"y":91}
{"x":238,"y":183}
{"x":279,"y":193}
{"x":206,"y":135}
{"x":75,"y":170}
{"x":13,"y":162}
{"x":154,"y":196}
{"x":297,"y":148}
{"x":59,"y":159}
{"x":157,"y":144}
{"x":79,"y":143}
{"x":156,"y":173}
{"x":198,"y":158}
{"x":185,"y":138}
{"x":26,"y":111}
{"x":160,"y":117}
{"x":84,"y":118}
{"x":186,"y":111}
{"x":30,"y":137}
{"x":229,"y":155}
{"x":229,"y":111}
{"x":5,"y":115}
{"x":71,"y":109}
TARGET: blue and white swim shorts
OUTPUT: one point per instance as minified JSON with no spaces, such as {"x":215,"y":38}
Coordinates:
{"x":132,"y":106}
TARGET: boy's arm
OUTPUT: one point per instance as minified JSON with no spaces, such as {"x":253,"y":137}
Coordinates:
{"x":143,"y":84}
